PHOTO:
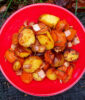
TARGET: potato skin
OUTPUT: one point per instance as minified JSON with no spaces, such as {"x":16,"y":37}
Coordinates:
{"x":51,"y":75}
{"x":34,"y":61}
{"x":37,"y":47}
{"x":58,"y":49}
{"x":71,"y":55}
{"x":22,"y":52}
{"x":16,"y":65}
{"x":46,"y":40}
{"x":58,"y":60}
{"x":36,"y":76}
{"x":26,"y":37}
{"x":49,"y":20}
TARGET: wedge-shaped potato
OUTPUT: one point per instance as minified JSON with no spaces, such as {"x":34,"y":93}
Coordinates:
{"x":46,"y":40}
{"x":49,"y":20}
{"x":31,"y":64}
{"x":22,"y":52}
{"x":26,"y":37}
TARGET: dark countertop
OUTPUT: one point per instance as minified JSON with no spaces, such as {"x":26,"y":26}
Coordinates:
{"x":8,"y":92}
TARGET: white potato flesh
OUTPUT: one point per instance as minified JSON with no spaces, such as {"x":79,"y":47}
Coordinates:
{"x":49,"y":20}
{"x":34,"y":62}
{"x":26,"y":37}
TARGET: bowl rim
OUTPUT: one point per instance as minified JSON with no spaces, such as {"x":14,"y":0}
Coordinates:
{"x":9,"y":18}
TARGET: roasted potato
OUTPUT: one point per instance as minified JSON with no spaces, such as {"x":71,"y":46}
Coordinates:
{"x":49,"y":20}
{"x":71,"y":55}
{"x":37,"y":47}
{"x":22,"y":52}
{"x":32,"y":63}
{"x":58,"y":60}
{"x":16,"y":65}
{"x":40,"y":28}
{"x":58,"y":49}
{"x":39,"y":75}
{"x":26,"y":37}
{"x":46,"y":40}
{"x":43,"y":28}
{"x":51,"y":74}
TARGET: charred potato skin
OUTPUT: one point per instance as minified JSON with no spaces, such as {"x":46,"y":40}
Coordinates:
{"x":26,"y":37}
{"x":71,"y":55}
{"x":35,"y":63}
{"x":49,"y":20}
{"x":22,"y":52}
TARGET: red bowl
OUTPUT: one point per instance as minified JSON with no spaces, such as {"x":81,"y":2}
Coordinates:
{"x":32,"y":13}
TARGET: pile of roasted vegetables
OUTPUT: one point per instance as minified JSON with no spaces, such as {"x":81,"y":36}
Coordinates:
{"x":43,"y":49}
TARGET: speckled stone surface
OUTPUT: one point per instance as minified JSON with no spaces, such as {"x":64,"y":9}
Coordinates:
{"x":8,"y":92}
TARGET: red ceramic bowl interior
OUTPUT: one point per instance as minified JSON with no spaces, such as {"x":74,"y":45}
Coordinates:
{"x":32,"y":13}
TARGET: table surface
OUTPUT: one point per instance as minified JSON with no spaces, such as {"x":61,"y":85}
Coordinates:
{"x":8,"y":92}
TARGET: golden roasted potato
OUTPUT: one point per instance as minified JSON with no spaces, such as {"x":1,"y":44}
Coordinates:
{"x":49,"y":20}
{"x":71,"y":55}
{"x":51,"y":74}
{"x":32,"y":63}
{"x":22,"y":52}
{"x":46,"y":40}
{"x":16,"y":65}
{"x":26,"y":37}
{"x":39,"y":75}
{"x":58,"y":60}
